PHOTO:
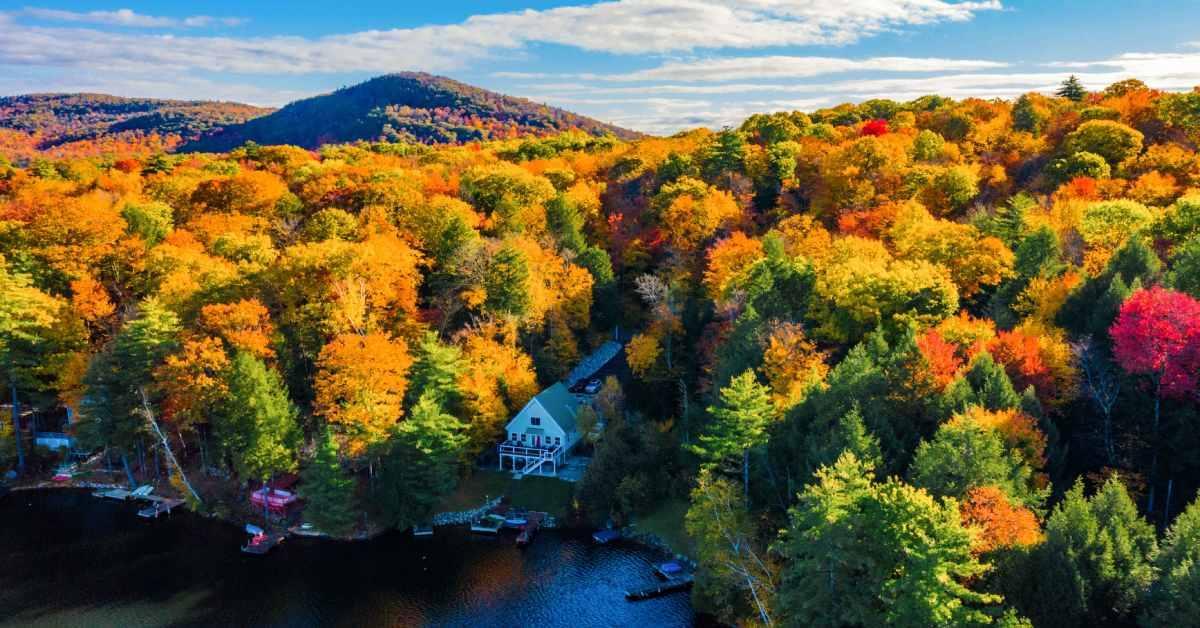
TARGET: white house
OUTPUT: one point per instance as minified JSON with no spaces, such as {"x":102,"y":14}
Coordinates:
{"x":539,"y":437}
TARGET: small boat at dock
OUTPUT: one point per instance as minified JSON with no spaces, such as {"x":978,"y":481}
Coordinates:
{"x":530,"y":528}
{"x":261,"y":542}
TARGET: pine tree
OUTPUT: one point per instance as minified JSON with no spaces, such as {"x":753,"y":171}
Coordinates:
{"x":327,"y":490}
{"x":1071,"y":89}
{"x":436,"y":372}
{"x":739,"y":424}
{"x":860,"y":553}
{"x":507,"y":283}
{"x":963,"y":455}
{"x":420,"y":465}
{"x":1174,"y":599}
{"x":256,"y":425}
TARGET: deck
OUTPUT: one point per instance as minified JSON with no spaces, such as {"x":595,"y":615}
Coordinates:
{"x":673,"y":585}
{"x":524,"y":460}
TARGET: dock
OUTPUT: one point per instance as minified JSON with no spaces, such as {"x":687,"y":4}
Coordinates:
{"x":532,"y":522}
{"x":158,"y":505}
{"x":673,"y":585}
{"x":489,"y":524}
{"x":118,"y":494}
{"x":422,"y":530}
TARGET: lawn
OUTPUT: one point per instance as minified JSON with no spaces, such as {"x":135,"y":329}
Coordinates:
{"x":531,"y":493}
{"x":666,"y":522}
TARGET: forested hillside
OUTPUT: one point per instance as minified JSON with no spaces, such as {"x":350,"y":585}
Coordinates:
{"x":93,"y":124}
{"x":408,"y":106}
{"x":927,"y":363}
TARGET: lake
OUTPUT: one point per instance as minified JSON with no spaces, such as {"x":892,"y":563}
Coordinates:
{"x":69,"y":559}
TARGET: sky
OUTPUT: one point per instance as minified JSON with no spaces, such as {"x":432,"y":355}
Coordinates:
{"x":657,"y":66}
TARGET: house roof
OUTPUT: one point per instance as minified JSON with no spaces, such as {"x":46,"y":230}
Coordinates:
{"x":560,"y":404}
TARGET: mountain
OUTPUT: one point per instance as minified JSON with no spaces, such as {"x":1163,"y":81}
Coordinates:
{"x":410,"y":106}
{"x":48,"y":121}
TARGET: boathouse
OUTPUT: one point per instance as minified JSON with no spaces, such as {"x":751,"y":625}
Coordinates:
{"x":538,"y":439}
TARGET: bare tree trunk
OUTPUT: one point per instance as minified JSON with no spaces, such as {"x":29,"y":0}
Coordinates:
{"x":167,"y":446}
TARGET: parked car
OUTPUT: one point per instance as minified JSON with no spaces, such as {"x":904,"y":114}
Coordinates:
{"x":592,"y":387}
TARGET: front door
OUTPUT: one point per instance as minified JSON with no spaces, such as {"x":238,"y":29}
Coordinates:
{"x":537,"y":441}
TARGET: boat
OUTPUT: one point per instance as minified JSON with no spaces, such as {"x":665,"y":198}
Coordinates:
{"x":669,"y":570}
{"x":530,"y":528}
{"x":488,"y":524}
{"x":260,"y":542}
{"x":515,"y":522}
{"x":605,"y":536}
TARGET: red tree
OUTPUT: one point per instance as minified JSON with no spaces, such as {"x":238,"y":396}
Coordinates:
{"x":1157,"y":334}
{"x":875,"y":127}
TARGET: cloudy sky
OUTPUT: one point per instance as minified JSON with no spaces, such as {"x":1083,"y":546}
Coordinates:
{"x":653,"y":65}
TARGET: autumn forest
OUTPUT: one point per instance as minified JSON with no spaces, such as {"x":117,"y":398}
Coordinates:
{"x":924,"y":363}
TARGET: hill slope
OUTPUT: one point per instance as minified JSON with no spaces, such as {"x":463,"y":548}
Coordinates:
{"x":409,"y":106}
{"x":55,"y":120}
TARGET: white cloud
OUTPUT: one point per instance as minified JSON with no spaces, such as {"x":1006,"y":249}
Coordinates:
{"x":128,"y":17}
{"x":620,"y":26}
{"x":783,"y":67}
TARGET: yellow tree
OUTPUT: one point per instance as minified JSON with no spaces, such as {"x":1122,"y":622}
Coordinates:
{"x":360,"y":386}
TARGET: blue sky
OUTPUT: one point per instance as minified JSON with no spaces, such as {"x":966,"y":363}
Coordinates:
{"x":653,"y":65}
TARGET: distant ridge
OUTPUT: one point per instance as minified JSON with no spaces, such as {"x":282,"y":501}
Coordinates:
{"x":411,"y":106}
{"x":53,"y":120}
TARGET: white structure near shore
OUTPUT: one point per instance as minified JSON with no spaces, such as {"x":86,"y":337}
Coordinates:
{"x":538,"y":439}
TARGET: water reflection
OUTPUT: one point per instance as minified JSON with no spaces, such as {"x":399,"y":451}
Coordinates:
{"x":70,"y":559}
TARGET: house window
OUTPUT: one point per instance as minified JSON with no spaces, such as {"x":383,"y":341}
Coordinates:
{"x":514,"y":436}
{"x":522,"y":438}
{"x":557,"y":440}
{"x":535,"y":420}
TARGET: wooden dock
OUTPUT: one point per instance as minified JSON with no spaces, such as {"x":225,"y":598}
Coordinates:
{"x":673,"y":585}
{"x":489,"y":524}
{"x":158,"y":506}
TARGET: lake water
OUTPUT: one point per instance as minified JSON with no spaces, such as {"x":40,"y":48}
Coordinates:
{"x":69,"y":559}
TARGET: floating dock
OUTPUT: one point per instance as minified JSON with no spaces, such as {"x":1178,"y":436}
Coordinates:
{"x":422,"y":530}
{"x":118,"y":494}
{"x":673,"y":585}
{"x":489,"y":524}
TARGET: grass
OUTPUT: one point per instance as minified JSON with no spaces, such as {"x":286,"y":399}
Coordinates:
{"x":666,"y":522}
{"x":531,"y":493}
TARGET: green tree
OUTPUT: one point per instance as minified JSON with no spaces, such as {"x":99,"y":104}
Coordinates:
{"x":985,"y":384}
{"x":420,"y":464}
{"x":1071,"y":89}
{"x":963,"y":455}
{"x":435,"y":372}
{"x":724,"y":156}
{"x":732,"y":559}
{"x":1026,"y":116}
{"x":26,"y":315}
{"x":327,"y":490}
{"x":1113,"y":141}
{"x":507,"y":283}
{"x":256,"y":423}
{"x":739,"y":424}
{"x":149,"y":221}
{"x":860,"y":553}
{"x":1174,"y":599}
{"x":1095,"y":561}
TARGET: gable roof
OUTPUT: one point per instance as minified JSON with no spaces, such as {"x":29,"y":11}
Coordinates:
{"x":560,"y":404}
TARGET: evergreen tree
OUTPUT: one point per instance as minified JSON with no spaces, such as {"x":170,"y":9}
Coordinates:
{"x":724,"y":156}
{"x":1095,"y":563}
{"x":1008,"y":223}
{"x":1174,"y":599}
{"x":420,"y":465}
{"x":985,"y":384}
{"x":436,"y":372}
{"x":256,"y":424}
{"x":850,"y":434}
{"x":739,"y":424}
{"x":1026,"y":116}
{"x":1071,"y":89}
{"x":507,"y":283}
{"x":858,"y":553}
{"x":327,"y":490}
{"x":964,"y":455}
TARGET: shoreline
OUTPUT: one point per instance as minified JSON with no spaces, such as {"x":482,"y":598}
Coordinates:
{"x":440,"y":520}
